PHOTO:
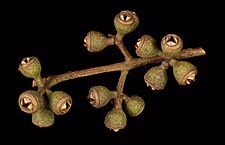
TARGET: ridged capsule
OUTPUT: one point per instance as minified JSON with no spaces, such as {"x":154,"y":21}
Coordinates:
{"x":43,"y":118}
{"x":156,"y":77}
{"x":184,"y":72}
{"x":60,"y":102}
{"x":126,"y":22}
{"x":30,"y":67}
{"x":96,"y":41}
{"x":146,"y":47}
{"x":134,"y":105}
{"x":99,"y":96}
{"x":30,"y":101}
{"x":115,"y":119}
{"x":171,"y":44}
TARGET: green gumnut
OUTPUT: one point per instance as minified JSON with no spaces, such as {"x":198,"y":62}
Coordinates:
{"x":134,"y":105}
{"x":184,"y":72}
{"x":99,"y":96}
{"x":146,"y":47}
{"x":171,"y":44}
{"x":59,"y":102}
{"x":30,"y":101}
{"x":30,"y":67}
{"x":115,"y":119}
{"x":43,"y":118}
{"x":156,"y":77}
{"x":95,"y":41}
{"x":126,"y":22}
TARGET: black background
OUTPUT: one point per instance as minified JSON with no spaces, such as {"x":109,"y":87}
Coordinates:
{"x":54,"y":32}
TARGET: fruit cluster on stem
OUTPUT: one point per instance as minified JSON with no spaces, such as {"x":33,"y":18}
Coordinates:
{"x":44,"y":103}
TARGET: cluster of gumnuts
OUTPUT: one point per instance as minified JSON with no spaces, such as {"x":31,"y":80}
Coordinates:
{"x":58,"y":102}
{"x":33,"y":102}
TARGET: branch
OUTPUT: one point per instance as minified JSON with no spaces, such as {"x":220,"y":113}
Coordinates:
{"x":122,"y":48}
{"x":59,"y":102}
{"x":191,"y":52}
{"x":126,"y":65}
{"x":121,"y":82}
{"x":119,"y":89}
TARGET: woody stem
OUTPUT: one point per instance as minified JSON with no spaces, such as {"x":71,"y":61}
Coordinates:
{"x":126,"y":65}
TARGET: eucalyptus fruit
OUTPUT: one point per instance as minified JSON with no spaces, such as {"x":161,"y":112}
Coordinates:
{"x":125,"y":22}
{"x":156,"y":77}
{"x":30,"y":67}
{"x":115,"y":119}
{"x":184,"y":72}
{"x":30,"y":101}
{"x":96,"y":41}
{"x":134,"y":105}
{"x":43,"y":118}
{"x":99,"y":96}
{"x":171,"y":44}
{"x":59,"y":102}
{"x":146,"y":47}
